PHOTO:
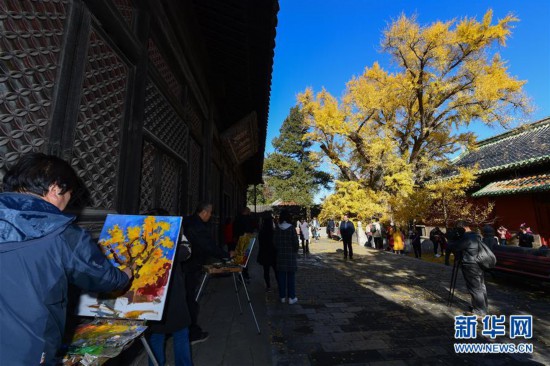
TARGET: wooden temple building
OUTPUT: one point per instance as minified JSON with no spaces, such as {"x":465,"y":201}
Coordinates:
{"x":156,"y":103}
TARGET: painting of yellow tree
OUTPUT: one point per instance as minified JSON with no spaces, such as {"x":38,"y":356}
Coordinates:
{"x":147,"y":244}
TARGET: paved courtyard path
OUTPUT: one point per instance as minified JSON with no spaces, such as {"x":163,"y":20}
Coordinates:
{"x":388,"y":309}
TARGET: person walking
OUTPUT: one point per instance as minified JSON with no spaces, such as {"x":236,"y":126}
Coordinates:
{"x":330,"y":227}
{"x":525,"y":236}
{"x":416,"y":243}
{"x":376,"y":230}
{"x":489,"y":237}
{"x":315,"y":228}
{"x":389,"y":236}
{"x":398,"y":241}
{"x":368,"y":232}
{"x":503,"y":235}
{"x":346,"y":232}
{"x":267,"y":256}
{"x":286,"y":245}
{"x":42,"y":251}
{"x":466,"y":249}
{"x":439,"y":241}
{"x":304,"y":235}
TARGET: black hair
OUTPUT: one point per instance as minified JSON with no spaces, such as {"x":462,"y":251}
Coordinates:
{"x":267,"y":224}
{"x":159,"y":211}
{"x":454,"y":233}
{"x":284,"y":216}
{"x":202,"y":206}
{"x":36,"y":172}
{"x":463,"y":224}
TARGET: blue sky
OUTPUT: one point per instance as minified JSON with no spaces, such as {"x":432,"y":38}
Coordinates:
{"x":324,"y":43}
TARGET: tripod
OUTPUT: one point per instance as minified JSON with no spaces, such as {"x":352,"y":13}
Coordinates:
{"x":456,"y":264}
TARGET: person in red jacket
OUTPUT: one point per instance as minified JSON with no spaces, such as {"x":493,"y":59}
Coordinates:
{"x":228,"y":235}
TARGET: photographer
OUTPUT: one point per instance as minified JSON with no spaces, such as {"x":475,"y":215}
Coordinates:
{"x":465,"y":248}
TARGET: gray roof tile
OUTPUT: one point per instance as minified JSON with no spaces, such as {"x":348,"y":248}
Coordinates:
{"x":523,"y":146}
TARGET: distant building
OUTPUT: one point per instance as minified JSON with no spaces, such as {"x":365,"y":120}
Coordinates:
{"x":514,"y":172}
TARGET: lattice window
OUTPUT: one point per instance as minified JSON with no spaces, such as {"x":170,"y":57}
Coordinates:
{"x":96,"y":149}
{"x":31,"y":34}
{"x":146,"y":196}
{"x":161,"y":177}
{"x":169,"y":192}
{"x":126,"y":10}
{"x":216,"y":199}
{"x":194,"y":173}
{"x":157,"y":59}
{"x":163,"y":121}
{"x":216,"y":152}
{"x":191,"y":116}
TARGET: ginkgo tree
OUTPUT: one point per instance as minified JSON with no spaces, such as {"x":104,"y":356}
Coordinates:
{"x":392,"y":129}
{"x":442,"y":202}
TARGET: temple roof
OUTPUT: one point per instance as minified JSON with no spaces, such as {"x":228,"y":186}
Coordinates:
{"x":537,"y":183}
{"x":239,"y":36}
{"x":524,"y":146}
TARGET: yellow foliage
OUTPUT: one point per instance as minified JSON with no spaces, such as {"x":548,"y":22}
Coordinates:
{"x":150,"y":273}
{"x":441,"y":202}
{"x":133,"y":233}
{"x":351,"y":198}
{"x":390,"y":131}
{"x":141,"y":250}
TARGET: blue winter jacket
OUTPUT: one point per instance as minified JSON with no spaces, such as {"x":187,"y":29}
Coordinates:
{"x":41,"y":252}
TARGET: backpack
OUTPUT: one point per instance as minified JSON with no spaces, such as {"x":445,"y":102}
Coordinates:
{"x":485,"y":257}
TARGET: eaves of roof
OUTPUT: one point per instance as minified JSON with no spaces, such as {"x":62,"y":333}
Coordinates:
{"x":524,"y":146}
{"x":537,"y":183}
{"x":516,"y":164}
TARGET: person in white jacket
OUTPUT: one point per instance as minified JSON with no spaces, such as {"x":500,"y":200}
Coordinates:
{"x":304,"y":236}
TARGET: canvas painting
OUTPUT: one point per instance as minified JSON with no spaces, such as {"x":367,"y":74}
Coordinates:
{"x":148,"y":245}
{"x":101,"y":339}
{"x":244,"y":248}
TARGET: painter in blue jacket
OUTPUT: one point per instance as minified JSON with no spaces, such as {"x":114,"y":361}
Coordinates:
{"x":41,"y":252}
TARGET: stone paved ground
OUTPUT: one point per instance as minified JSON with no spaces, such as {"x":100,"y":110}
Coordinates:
{"x":380,"y":309}
{"x":387,"y":309}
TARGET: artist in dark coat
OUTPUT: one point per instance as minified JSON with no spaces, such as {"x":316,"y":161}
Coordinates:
{"x":346,"y":232}
{"x":465,"y":250}
{"x":286,"y":244}
{"x":41,"y":252}
{"x":198,"y":231}
{"x":266,"y":253}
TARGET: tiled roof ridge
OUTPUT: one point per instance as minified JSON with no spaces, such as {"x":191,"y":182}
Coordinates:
{"x":528,"y":127}
{"x":532,"y":183}
{"x":536,"y":160}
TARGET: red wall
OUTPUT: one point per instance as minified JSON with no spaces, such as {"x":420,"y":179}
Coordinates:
{"x":512,"y":211}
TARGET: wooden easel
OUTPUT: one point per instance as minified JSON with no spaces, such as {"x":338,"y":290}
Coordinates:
{"x":234,"y":269}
